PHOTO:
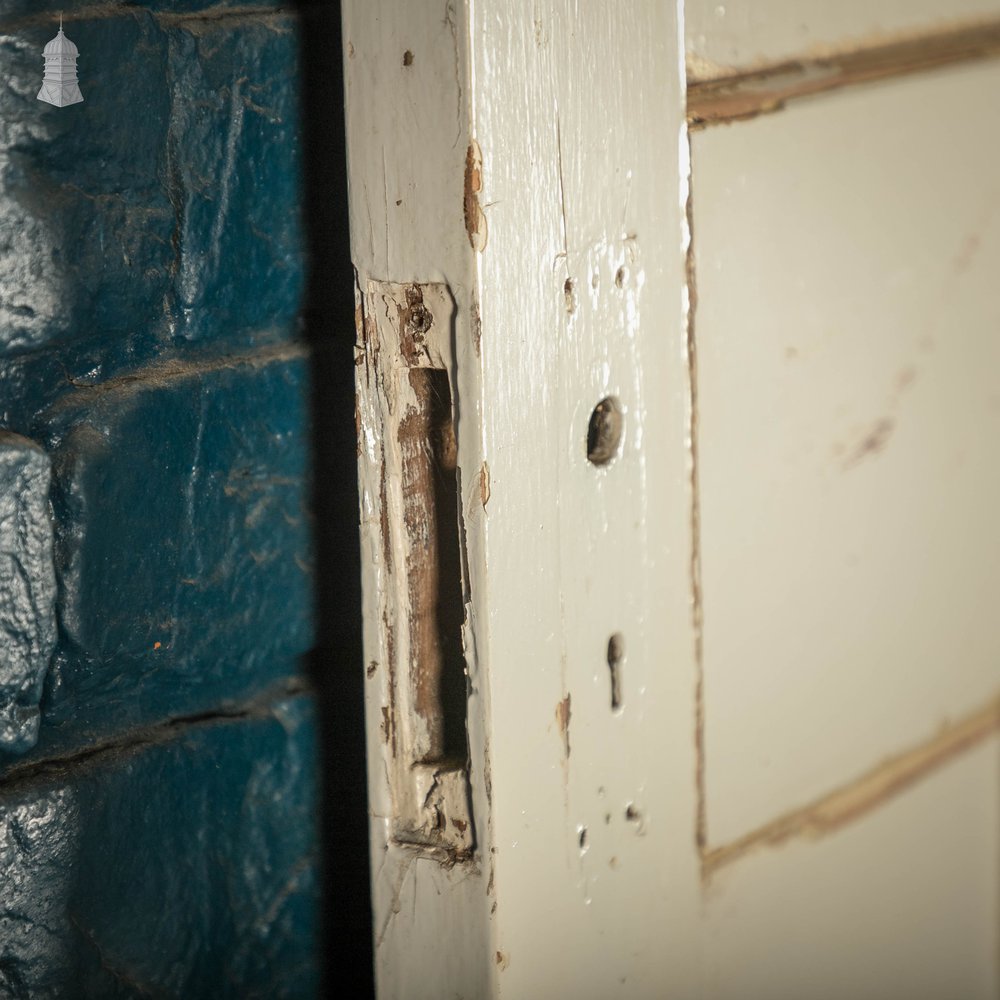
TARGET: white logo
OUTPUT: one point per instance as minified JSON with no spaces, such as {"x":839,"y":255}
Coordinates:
{"x":59,"y":87}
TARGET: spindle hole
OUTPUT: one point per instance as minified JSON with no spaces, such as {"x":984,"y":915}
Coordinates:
{"x":604,"y":431}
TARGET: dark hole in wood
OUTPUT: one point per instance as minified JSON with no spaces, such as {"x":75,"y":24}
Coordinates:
{"x":437,"y":610}
{"x":604,"y":432}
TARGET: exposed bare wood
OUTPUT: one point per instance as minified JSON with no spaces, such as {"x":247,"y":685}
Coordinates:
{"x":406,"y":419}
{"x":867,"y":792}
{"x":697,"y":618}
{"x":747,"y":94}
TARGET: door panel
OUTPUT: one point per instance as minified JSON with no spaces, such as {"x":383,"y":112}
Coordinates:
{"x":903,"y":904}
{"x":848,"y":409}
{"x":723,"y":38}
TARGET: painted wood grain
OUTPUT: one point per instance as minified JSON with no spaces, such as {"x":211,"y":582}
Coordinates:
{"x":577,"y":113}
{"x":477,"y":163}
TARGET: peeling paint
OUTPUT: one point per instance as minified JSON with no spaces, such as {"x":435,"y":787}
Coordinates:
{"x":477,"y":330}
{"x":562,"y":718}
{"x":475,"y":217}
{"x":484,"y":484}
{"x":406,"y":410}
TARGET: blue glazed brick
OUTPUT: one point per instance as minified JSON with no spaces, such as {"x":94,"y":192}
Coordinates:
{"x":183,"y":865}
{"x":168,"y":200}
{"x":233,"y":173}
{"x":18,"y":13}
{"x":96,"y":252}
{"x":183,"y":542}
{"x":27,"y":588}
{"x":161,"y":218}
{"x":149,"y":234}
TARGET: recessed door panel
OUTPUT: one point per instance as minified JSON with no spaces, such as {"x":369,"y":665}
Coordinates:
{"x":848,"y":332}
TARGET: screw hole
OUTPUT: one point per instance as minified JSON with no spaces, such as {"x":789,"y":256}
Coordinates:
{"x":419,"y":318}
{"x":604,"y":432}
{"x":569,"y":291}
{"x":583,"y":839}
{"x":634,"y":816}
{"x":616,"y":657}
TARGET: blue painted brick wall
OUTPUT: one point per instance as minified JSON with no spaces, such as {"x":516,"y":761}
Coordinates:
{"x":160,"y":839}
{"x":180,"y":865}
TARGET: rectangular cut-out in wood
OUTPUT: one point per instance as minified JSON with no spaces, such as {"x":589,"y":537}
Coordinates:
{"x":409,"y":448}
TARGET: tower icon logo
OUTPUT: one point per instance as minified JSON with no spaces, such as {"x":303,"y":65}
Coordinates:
{"x":59,"y":86}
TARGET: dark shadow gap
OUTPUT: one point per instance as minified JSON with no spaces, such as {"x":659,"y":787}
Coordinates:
{"x":337,"y":669}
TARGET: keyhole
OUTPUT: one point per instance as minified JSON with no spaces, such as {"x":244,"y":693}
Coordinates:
{"x":616,"y":657}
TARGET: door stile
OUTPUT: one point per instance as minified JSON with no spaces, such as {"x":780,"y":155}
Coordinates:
{"x":517,"y":221}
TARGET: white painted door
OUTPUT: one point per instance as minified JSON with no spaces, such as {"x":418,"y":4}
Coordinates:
{"x":677,"y":492}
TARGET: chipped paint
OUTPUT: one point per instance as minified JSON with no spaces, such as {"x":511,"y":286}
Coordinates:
{"x":475,"y":217}
{"x":409,"y":130}
{"x":405,"y":400}
{"x":562,"y":719}
{"x":484,"y":484}
{"x":873,"y":442}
